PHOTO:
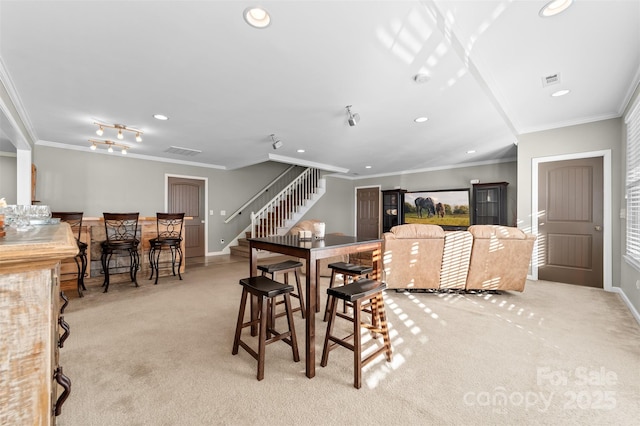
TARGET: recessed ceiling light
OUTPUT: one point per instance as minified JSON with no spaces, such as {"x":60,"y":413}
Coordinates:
{"x":421,"y":119}
{"x":471,"y":151}
{"x":560,"y":93}
{"x":367,"y":167}
{"x":554,"y":7}
{"x":301,"y":150}
{"x":160,"y":117}
{"x":257,"y":17}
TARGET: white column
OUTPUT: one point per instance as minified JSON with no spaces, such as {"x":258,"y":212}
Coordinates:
{"x":23,"y":171}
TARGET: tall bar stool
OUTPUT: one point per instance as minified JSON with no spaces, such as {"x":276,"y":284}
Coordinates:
{"x":121,"y":230}
{"x":349,"y":272}
{"x":74,"y":219}
{"x":169,"y":236}
{"x":285,"y":268}
{"x":266,"y":290}
{"x":361,"y":293}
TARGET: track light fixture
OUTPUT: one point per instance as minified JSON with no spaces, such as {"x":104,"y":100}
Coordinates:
{"x":353,"y":118}
{"x":277,"y":143}
{"x":109,"y":144}
{"x":121,"y":129}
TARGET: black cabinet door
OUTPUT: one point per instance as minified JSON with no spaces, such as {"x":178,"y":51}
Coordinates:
{"x":392,"y":208}
{"x":490,"y":203}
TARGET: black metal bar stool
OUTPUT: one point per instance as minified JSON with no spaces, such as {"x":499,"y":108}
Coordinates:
{"x":285,"y":268}
{"x":266,"y":290}
{"x":169,"y":236}
{"x":74,"y":219}
{"x":360,"y":293}
{"x":349,"y":272}
{"x":121,"y":230}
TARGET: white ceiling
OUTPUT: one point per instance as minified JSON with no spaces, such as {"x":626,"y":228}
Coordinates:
{"x":227,"y":87}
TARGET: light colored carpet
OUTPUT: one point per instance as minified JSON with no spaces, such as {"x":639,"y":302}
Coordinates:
{"x":161,"y":355}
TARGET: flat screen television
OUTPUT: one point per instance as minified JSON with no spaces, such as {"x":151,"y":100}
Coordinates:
{"x":448,"y":208}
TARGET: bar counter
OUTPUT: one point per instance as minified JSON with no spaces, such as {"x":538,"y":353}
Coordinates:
{"x":32,"y":324}
{"x":93,"y":234}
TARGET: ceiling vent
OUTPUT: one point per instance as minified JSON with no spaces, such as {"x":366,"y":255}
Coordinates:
{"x":551,"y":80}
{"x":183,"y":151}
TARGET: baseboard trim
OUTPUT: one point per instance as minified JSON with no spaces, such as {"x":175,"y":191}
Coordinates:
{"x":626,"y":300}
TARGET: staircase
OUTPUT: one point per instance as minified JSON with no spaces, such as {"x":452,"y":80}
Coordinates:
{"x":242,"y":249}
{"x":283,"y":211}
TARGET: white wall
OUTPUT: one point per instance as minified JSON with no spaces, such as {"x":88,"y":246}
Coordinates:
{"x":629,"y":275}
{"x":8,"y":178}
{"x":87,"y":181}
{"x":454,"y":178}
{"x":606,"y":135}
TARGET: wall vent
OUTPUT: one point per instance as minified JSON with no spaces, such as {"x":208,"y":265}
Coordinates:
{"x":183,"y":151}
{"x":551,"y":79}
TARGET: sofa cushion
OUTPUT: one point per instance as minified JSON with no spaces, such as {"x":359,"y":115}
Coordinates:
{"x":497,"y":231}
{"x":417,"y":230}
{"x":455,"y":260}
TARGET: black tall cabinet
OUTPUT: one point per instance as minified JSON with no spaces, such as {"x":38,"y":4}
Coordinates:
{"x":490,"y":203}
{"x":392,"y":208}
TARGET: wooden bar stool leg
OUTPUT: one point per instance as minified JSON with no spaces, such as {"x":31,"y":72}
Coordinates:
{"x":262,"y":342}
{"x":292,"y":337}
{"x":331,"y":283}
{"x":382,"y":316}
{"x":357,"y":346}
{"x":300,"y":293}
{"x":239,"y":324}
{"x":333,"y":302}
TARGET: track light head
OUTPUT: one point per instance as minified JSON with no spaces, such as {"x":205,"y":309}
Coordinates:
{"x":109,"y":144}
{"x":277,"y":143}
{"x":121,"y":128}
{"x":353,"y":118}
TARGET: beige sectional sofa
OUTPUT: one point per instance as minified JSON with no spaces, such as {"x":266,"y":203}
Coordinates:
{"x":484,"y":257}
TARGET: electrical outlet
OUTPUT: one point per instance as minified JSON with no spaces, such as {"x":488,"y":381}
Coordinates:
{"x":638,"y":284}
{"x":221,"y":241}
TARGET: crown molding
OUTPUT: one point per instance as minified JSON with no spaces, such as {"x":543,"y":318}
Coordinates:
{"x":5,"y":78}
{"x":129,"y":155}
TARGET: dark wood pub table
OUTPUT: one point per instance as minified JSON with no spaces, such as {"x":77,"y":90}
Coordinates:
{"x":312,"y":251}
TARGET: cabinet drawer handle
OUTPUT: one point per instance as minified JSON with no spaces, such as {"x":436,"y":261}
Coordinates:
{"x":66,"y":302}
{"x":66,"y":333}
{"x":65,"y":382}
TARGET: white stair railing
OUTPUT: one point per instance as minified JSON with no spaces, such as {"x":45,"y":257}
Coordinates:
{"x":281,"y":208}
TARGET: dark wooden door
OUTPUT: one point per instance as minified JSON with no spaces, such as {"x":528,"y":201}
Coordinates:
{"x":187,"y":195}
{"x":368,"y":213}
{"x":570,"y":220}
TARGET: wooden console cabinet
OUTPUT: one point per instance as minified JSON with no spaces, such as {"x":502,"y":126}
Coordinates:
{"x":32,"y":329}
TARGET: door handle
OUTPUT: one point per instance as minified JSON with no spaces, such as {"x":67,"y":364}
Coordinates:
{"x":598,"y":228}
{"x":202,"y":221}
